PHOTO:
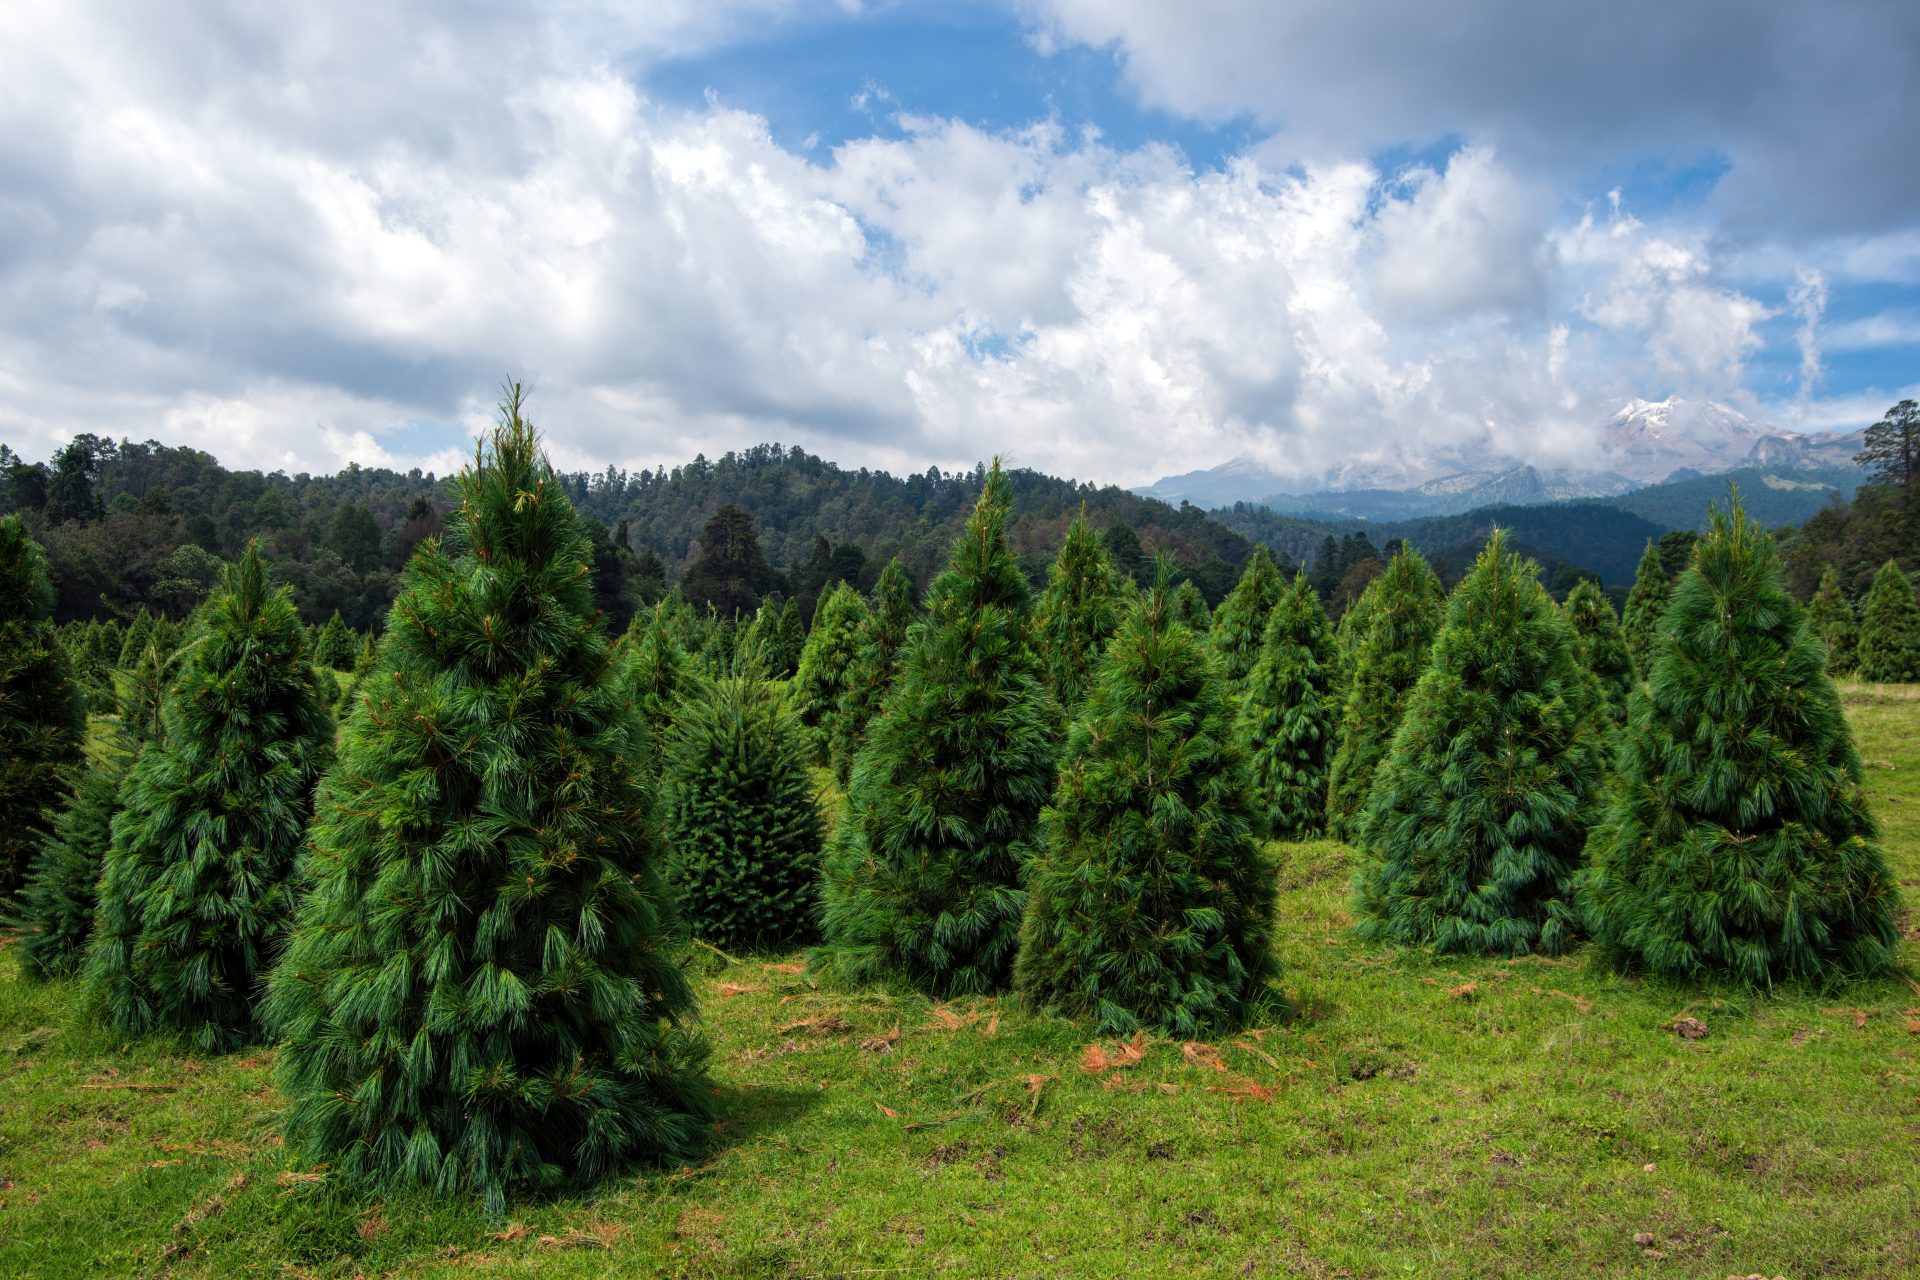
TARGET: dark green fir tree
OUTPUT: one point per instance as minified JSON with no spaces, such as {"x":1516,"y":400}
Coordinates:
{"x":737,"y":812}
{"x":1889,"y":648}
{"x":876,"y":665}
{"x":336,"y":646}
{"x":659,"y":670}
{"x":1387,"y":662}
{"x":1739,"y":842}
{"x":1190,"y":607}
{"x":824,"y":664}
{"x":1077,"y":614}
{"x":1831,"y":618}
{"x":1240,"y":623}
{"x":143,"y":692}
{"x":923,"y":874}
{"x":1289,"y":718}
{"x":1478,"y":815}
{"x":63,"y":893}
{"x":1150,"y":903}
{"x":789,"y":642}
{"x":42,"y":724}
{"x":197,"y":888}
{"x":1602,"y":647}
{"x":1646,"y":606}
{"x":480,"y":996}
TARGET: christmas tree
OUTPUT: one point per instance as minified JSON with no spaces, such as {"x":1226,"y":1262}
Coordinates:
{"x":1150,"y":903}
{"x":480,"y":995}
{"x":923,"y":874}
{"x":1077,"y":613}
{"x":824,"y":663}
{"x":1830,"y":617}
{"x":1477,"y":817}
{"x":876,"y":664}
{"x":1241,"y":620}
{"x":1646,"y":606}
{"x":789,"y":642}
{"x":336,"y":646}
{"x":1190,"y":607}
{"x":1889,"y":647}
{"x":62,"y":893}
{"x":1290,"y":717}
{"x":1602,"y":647}
{"x":1387,"y":661}
{"x":738,"y":816}
{"x":197,"y":887}
{"x":41,"y":721}
{"x":658,"y":670}
{"x":1739,"y":841}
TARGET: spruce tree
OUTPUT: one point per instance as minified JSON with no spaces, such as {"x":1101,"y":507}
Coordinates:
{"x":62,"y":893}
{"x":336,"y":646}
{"x":1889,"y":648}
{"x":1240,"y":623}
{"x":197,"y":888}
{"x":923,"y":874}
{"x":480,"y":996}
{"x":738,"y":815}
{"x":1077,"y":613}
{"x":1190,"y":606}
{"x":824,"y":664}
{"x":42,"y":725}
{"x":1388,"y":660}
{"x":876,"y":664}
{"x":1739,"y":841}
{"x":789,"y":642}
{"x":1150,"y":901}
{"x":1289,"y":719}
{"x":1830,"y":617}
{"x":1646,"y":606}
{"x":1602,"y":647}
{"x":1477,"y":817}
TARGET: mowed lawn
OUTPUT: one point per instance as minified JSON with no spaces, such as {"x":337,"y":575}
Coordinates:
{"x":1411,"y":1117}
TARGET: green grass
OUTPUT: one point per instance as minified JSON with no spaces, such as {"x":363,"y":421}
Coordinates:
{"x":1412,"y":1117}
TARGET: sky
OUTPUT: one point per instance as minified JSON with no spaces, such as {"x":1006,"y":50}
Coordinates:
{"x":1110,"y":239}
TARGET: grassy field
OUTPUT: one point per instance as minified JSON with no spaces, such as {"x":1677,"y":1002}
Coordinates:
{"x":1412,"y":1117}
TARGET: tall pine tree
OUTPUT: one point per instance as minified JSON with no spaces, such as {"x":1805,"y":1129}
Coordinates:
{"x":1830,"y":616}
{"x":1739,"y":842}
{"x":41,"y":721}
{"x":1477,"y":817}
{"x":1289,"y":719}
{"x":1240,"y":622}
{"x":876,"y":664}
{"x":1602,"y":647}
{"x":1889,"y":647}
{"x":1077,"y":614}
{"x":197,"y":889}
{"x":63,"y":892}
{"x":824,"y":665}
{"x":1646,"y":606}
{"x":1150,"y":903}
{"x":480,"y":996}
{"x":924,"y":872}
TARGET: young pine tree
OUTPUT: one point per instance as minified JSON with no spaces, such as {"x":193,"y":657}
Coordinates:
{"x":1290,"y":716}
{"x":1646,"y":606}
{"x":480,"y":996}
{"x":737,"y":813}
{"x":789,"y":642}
{"x":1150,"y":903}
{"x":1477,"y":816}
{"x":197,"y":888}
{"x":1602,"y":647}
{"x":1388,"y":660}
{"x":1190,"y":608}
{"x":876,"y":664}
{"x":1077,"y":614}
{"x":1889,"y":648}
{"x":336,"y":646}
{"x":824,"y":664}
{"x":63,"y":892}
{"x":923,"y":874}
{"x":41,"y":721}
{"x":658,"y":670}
{"x":1739,"y":841}
{"x":1830,"y":617}
{"x":1240,"y":622}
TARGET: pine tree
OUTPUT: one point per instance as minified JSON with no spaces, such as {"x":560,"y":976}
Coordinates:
{"x":1889,"y":648}
{"x":336,"y":646}
{"x":1739,"y":841}
{"x":41,"y":721}
{"x":1150,"y":902}
{"x":738,"y":815}
{"x":196,"y":891}
{"x":1289,"y":719}
{"x":1646,"y":606}
{"x":1190,"y":607}
{"x":923,"y":873}
{"x":479,"y":997}
{"x":1240,"y":622}
{"x":1388,"y":660}
{"x":824,"y":664}
{"x":658,"y":670}
{"x":1478,"y":815}
{"x":1602,"y":647}
{"x":139,"y":634}
{"x":1830,"y":616}
{"x":62,"y":894}
{"x":789,"y":642}
{"x":876,"y":665}
{"x":145,"y":692}
{"x":1077,"y":614}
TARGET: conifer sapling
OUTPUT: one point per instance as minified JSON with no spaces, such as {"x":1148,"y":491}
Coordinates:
{"x":1240,"y":622}
{"x":1077,"y":613}
{"x":1602,"y":647}
{"x":1831,"y":618}
{"x":1289,"y":719}
{"x":1889,"y":646}
{"x":824,"y":664}
{"x":1646,"y":606}
{"x":876,"y":665}
{"x":41,"y":721}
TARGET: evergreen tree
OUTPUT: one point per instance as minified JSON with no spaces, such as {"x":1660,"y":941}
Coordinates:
{"x":731,"y":573}
{"x":139,"y":635}
{"x":479,"y":996}
{"x":62,"y":894}
{"x":196,"y":891}
{"x":738,"y":815}
{"x":1289,"y":719}
{"x":1889,"y":649}
{"x":658,"y":671}
{"x":716,"y":651}
{"x":1830,"y":616}
{"x":336,"y":646}
{"x":1388,"y":660}
{"x":1602,"y":647}
{"x":1150,"y":902}
{"x":1240,"y":622}
{"x":1739,"y":841}
{"x":923,"y":873}
{"x":1190,"y":607}
{"x":1646,"y":606}
{"x":41,"y":721}
{"x":145,"y":692}
{"x":1077,"y":613}
{"x":1477,"y":817}
{"x":789,"y":642}
{"x":876,"y":664}
{"x":824,"y":664}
